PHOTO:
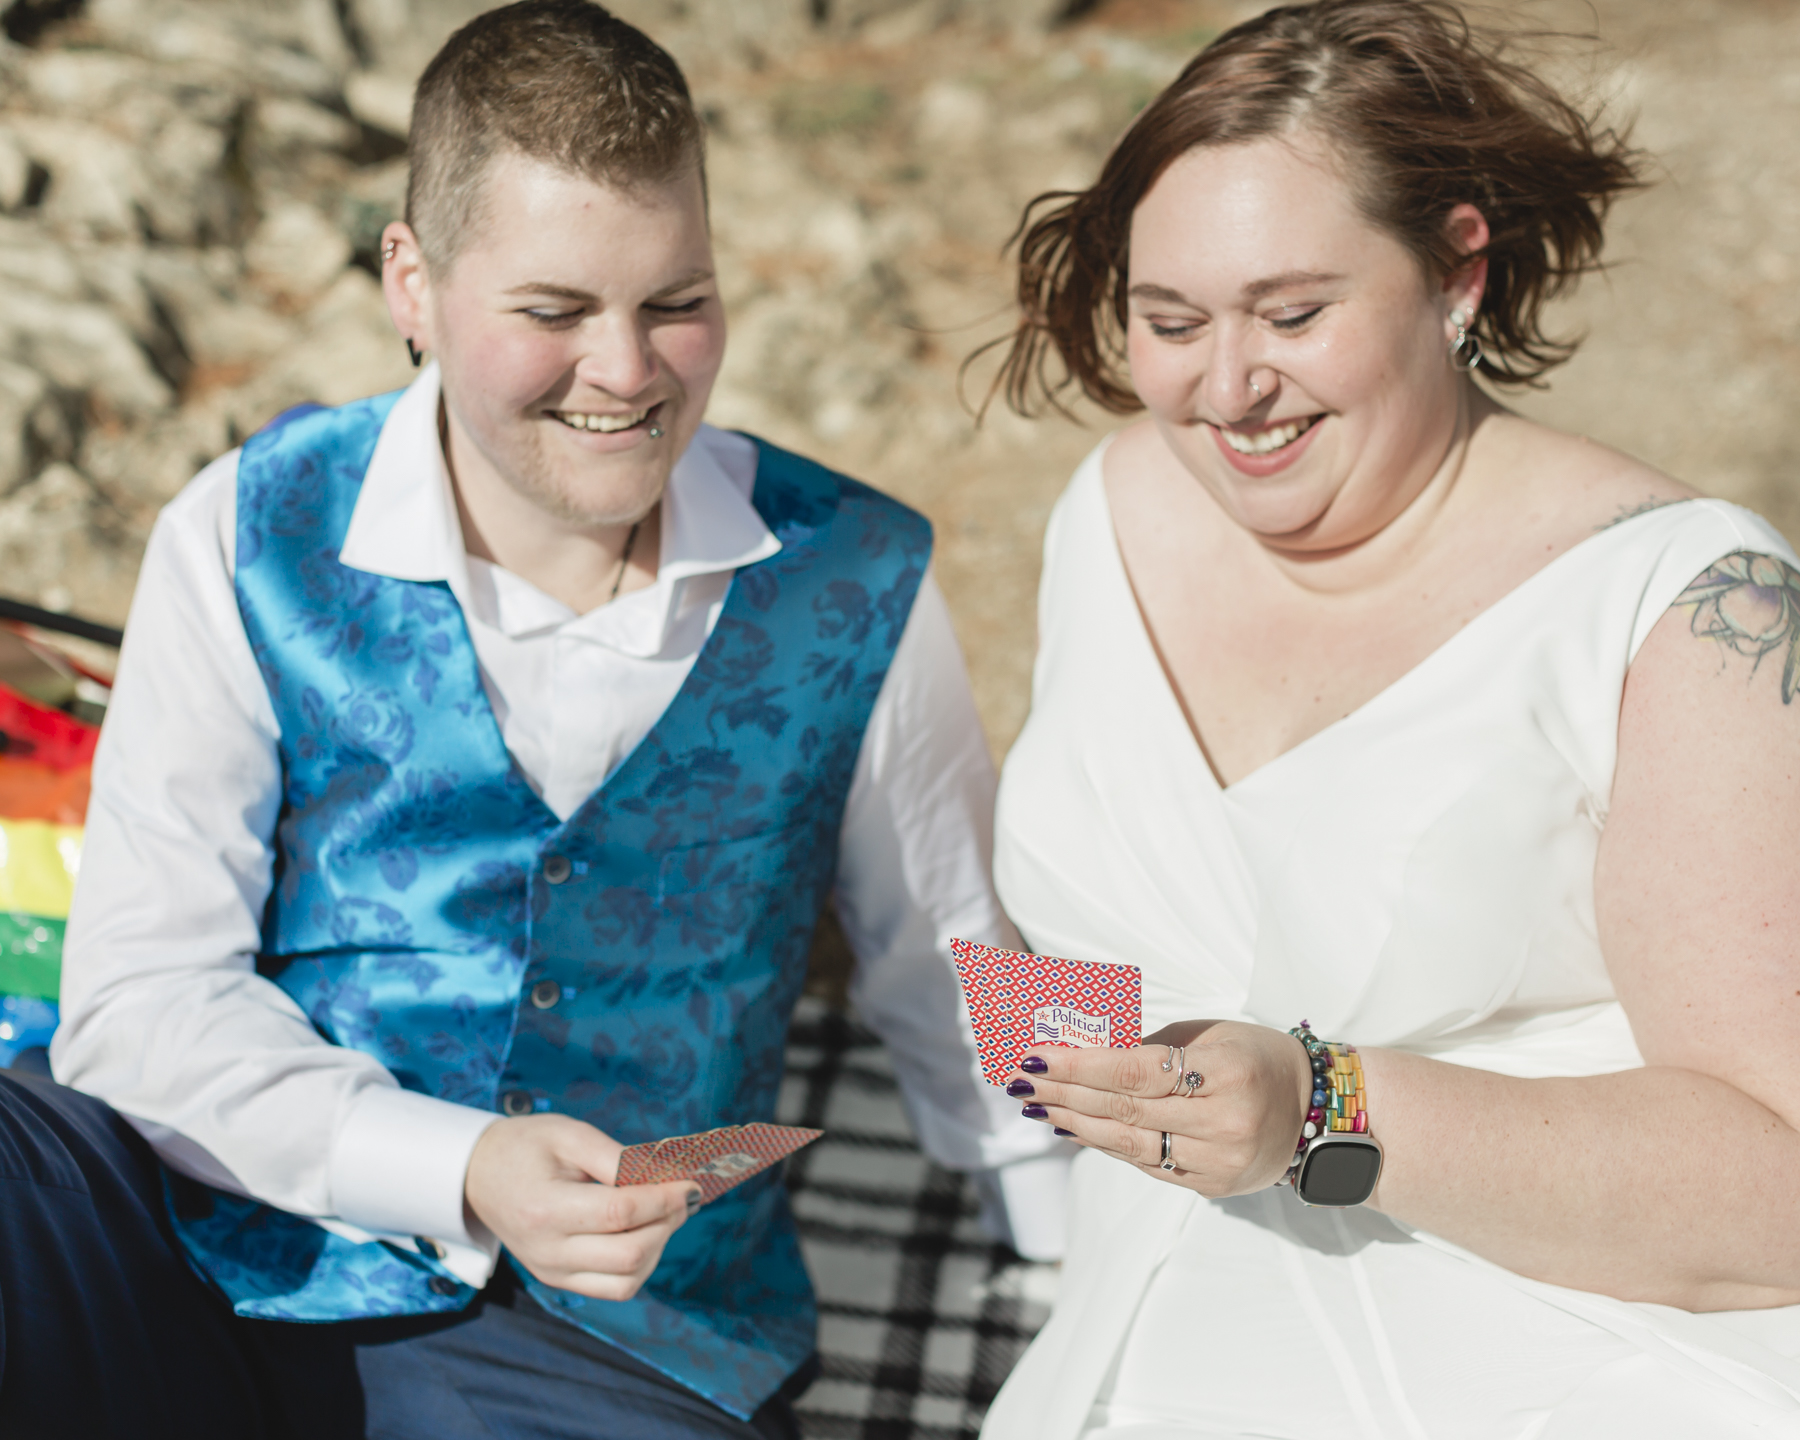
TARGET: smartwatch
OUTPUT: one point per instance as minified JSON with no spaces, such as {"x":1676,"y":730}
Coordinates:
{"x":1340,"y":1167}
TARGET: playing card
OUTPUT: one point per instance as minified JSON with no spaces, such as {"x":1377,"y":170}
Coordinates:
{"x":1017,"y":1001}
{"x":715,"y":1159}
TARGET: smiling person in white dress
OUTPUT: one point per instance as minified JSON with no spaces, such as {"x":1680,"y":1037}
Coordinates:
{"x":1364,"y":701}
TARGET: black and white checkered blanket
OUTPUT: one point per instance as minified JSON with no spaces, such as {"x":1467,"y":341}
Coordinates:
{"x":920,"y":1315}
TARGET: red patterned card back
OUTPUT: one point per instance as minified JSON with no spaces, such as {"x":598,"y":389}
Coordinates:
{"x":715,"y":1159}
{"x":1017,"y":1001}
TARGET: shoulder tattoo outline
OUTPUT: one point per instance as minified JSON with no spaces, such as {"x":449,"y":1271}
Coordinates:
{"x":1749,"y":604}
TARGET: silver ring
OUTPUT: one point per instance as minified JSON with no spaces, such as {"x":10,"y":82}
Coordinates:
{"x":1178,"y":1061}
{"x":1169,"y":1064}
{"x":1168,"y":1160}
{"x":1193,"y":1079}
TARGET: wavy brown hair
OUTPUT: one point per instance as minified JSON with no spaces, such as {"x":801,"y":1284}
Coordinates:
{"x":1425,"y":110}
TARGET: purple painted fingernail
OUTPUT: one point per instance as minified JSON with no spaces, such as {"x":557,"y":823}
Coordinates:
{"x":1066,"y":1134}
{"x":1035,"y":1112}
{"x":1034,"y":1065}
{"x":1020,"y":1087}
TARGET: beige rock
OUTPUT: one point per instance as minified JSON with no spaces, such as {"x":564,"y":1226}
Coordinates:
{"x":380,"y":100}
{"x":64,"y":548}
{"x":84,"y":349}
{"x":285,"y":122}
{"x":84,"y":83}
{"x":30,"y":259}
{"x":187,"y":198}
{"x":94,"y":176}
{"x":296,"y":252}
{"x":347,"y":349}
{"x":145,"y":469}
{"x":15,"y":172}
{"x":219,"y":328}
{"x":952,"y":116}
{"x":27,"y":413}
{"x":241,"y":44}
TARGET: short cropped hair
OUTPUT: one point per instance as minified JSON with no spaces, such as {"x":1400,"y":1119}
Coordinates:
{"x":1424,"y":111}
{"x":561,"y":81}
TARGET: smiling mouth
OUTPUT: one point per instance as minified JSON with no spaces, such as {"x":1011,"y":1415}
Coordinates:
{"x":1267,"y":442}
{"x":604,"y":424}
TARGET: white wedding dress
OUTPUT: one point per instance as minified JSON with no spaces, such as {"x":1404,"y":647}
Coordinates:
{"x":1420,"y":875}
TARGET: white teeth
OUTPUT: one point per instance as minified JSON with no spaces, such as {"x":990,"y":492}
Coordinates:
{"x":605,"y":424}
{"x":1264,"y":441}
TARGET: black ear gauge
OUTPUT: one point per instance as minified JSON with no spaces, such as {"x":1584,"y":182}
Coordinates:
{"x":414,"y":351}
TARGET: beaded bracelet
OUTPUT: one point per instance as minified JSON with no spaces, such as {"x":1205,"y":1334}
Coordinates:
{"x":1338,"y":1094}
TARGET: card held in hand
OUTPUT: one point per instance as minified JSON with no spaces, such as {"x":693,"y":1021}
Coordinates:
{"x":715,"y":1159}
{"x":1017,"y":1001}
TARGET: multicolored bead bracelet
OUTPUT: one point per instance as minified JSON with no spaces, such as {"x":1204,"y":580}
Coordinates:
{"x":1339,"y":1095}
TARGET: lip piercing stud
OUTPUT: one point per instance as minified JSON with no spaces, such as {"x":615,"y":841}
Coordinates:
{"x":655,"y":431}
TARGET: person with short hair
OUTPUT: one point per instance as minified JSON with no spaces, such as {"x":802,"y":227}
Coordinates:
{"x":480,"y":761}
{"x":1441,"y":771}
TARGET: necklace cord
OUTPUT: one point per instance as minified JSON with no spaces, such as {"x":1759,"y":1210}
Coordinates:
{"x":624,"y":561}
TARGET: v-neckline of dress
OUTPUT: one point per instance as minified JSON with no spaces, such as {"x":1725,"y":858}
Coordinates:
{"x":1405,"y":681}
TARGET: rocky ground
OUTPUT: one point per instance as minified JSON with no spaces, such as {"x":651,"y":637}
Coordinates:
{"x":191,"y":190}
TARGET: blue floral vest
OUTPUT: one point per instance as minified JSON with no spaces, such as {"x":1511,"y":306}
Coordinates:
{"x":634,"y":966}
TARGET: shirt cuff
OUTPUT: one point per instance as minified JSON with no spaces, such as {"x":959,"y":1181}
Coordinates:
{"x":1026,"y":1204}
{"x":398,"y":1167}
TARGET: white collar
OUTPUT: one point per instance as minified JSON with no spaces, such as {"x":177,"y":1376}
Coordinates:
{"x":405,"y":526}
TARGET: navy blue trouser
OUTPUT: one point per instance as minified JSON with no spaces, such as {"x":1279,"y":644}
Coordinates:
{"x":106,"y":1333}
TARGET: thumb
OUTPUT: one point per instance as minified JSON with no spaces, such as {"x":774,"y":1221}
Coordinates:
{"x":589,"y":1152}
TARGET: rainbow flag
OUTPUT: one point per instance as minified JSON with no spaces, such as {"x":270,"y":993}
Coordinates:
{"x":46,"y":758}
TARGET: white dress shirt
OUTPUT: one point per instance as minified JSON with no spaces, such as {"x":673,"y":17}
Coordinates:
{"x":163,"y":1013}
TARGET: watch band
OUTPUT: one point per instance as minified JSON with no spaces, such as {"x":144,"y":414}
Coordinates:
{"x":1336,"y":1121}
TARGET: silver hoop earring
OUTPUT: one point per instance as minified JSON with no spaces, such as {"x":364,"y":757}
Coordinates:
{"x":1465,"y":349}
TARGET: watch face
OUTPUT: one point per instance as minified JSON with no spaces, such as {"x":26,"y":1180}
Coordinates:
{"x":1341,"y":1173}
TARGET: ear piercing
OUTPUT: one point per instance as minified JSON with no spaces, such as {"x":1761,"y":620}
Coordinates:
{"x":1465,"y":349}
{"x":388,"y":249}
{"x":414,"y":351}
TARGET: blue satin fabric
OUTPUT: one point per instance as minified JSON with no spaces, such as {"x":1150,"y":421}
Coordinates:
{"x":412,"y":910}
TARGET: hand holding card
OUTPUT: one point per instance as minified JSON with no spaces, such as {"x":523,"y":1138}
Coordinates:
{"x":716,"y":1160}
{"x":1017,"y":1001}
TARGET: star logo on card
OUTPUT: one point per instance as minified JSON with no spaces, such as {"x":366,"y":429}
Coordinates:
{"x":1018,"y":1000}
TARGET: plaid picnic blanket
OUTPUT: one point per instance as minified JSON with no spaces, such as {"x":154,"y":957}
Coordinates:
{"x":921,"y":1316}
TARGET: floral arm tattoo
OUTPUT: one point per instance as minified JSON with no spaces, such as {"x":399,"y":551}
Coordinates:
{"x":1750,"y":605}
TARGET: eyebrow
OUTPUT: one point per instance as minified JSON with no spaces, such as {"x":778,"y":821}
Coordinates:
{"x":1255,"y":290}
{"x":568,"y":292}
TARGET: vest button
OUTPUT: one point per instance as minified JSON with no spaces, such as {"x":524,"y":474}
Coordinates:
{"x":557,"y":868}
{"x":517,"y":1102}
{"x":443,"y":1285}
{"x":545,"y":993}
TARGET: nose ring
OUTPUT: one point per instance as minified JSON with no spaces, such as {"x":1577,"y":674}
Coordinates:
{"x":1254,"y":386}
